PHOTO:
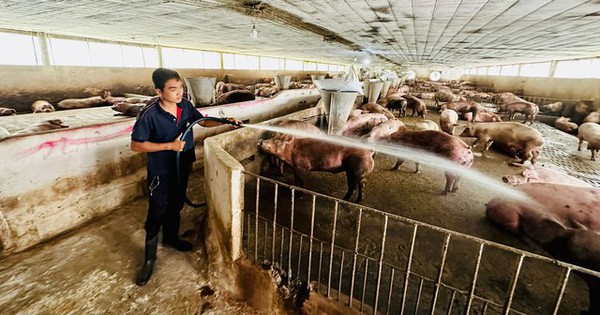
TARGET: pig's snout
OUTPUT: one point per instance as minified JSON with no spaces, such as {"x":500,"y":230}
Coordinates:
{"x":260,"y":143}
{"x":505,"y":179}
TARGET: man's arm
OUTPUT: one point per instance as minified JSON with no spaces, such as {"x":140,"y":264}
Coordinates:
{"x":148,"y":146}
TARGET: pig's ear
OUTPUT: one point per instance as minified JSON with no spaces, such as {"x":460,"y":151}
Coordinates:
{"x":287,"y":139}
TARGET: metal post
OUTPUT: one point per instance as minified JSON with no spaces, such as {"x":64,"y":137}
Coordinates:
{"x":355,"y":255}
{"x":274,"y":222}
{"x":440,"y":273}
{"x":562,"y":291}
{"x":513,"y":285}
{"x":312,"y":230}
{"x":291,"y":232}
{"x":408,"y":265}
{"x":385,"y":224}
{"x":474,"y":283}
{"x":256,"y":219}
{"x":332,"y":247}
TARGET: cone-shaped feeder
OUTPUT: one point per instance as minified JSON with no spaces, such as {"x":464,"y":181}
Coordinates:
{"x":385,"y":88}
{"x":374,"y":91}
{"x":339,"y":110}
{"x":283,"y":81}
{"x":201,"y":90}
{"x":314,"y":77}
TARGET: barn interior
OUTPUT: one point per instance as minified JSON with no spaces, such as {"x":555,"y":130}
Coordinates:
{"x":73,"y":201}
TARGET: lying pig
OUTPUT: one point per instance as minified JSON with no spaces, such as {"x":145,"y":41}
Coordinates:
{"x":565,"y":124}
{"x":448,"y":120}
{"x":592,"y":117}
{"x":426,"y":125}
{"x":112,"y":100}
{"x":565,"y":221}
{"x":522,"y":141}
{"x":4,"y":111}
{"x":384,"y":130}
{"x":361,"y":125}
{"x":543,"y":175}
{"x":4,"y":133}
{"x":445,"y":95}
{"x":438,"y":143}
{"x":416,"y":104}
{"x":377,"y":109}
{"x":42,"y":106}
{"x":553,"y":108}
{"x":463,"y":107}
{"x":222,"y":87}
{"x":235,"y":97}
{"x":71,"y":103}
{"x":530,"y":110}
{"x":304,"y":155}
{"x":482,"y":116}
{"x":589,"y":132}
{"x":45,"y":125}
{"x":128,"y":109}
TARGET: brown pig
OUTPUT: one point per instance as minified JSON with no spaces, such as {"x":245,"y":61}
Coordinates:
{"x":463,"y":107}
{"x":362,"y":124}
{"x":235,"y":97}
{"x":565,"y":124}
{"x":384,"y":130}
{"x":378,"y":109}
{"x":128,"y":109}
{"x":530,"y":110}
{"x":4,"y":111}
{"x":304,"y":155}
{"x":395,"y":101}
{"x":416,"y":104}
{"x":522,"y":141}
{"x":589,"y":132}
{"x":438,"y":143}
{"x":45,"y":125}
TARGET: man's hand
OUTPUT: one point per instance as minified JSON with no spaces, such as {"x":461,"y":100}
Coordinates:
{"x":177,"y":145}
{"x":235,"y":122}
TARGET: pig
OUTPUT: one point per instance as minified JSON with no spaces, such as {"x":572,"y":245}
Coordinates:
{"x":438,"y":143}
{"x":543,"y":175}
{"x":553,"y":108}
{"x":72,"y":103}
{"x":589,"y":132}
{"x":446,"y":95}
{"x":361,"y":125}
{"x":565,"y":124}
{"x":296,"y":125}
{"x":4,"y":133}
{"x":112,"y":100}
{"x":42,"y":106}
{"x":417,"y":105}
{"x":426,"y":96}
{"x":304,"y":155}
{"x":235,"y":97}
{"x":530,"y":110}
{"x":482,"y":116}
{"x":522,"y":141}
{"x":384,"y":130}
{"x":426,"y":125}
{"x":463,"y":107}
{"x":128,"y":109}
{"x":403,"y":90}
{"x":505,"y":98}
{"x":395,"y":101}
{"x":222,"y":88}
{"x":581,"y":110}
{"x":4,"y":111}
{"x":592,"y":117}
{"x":564,"y":220}
{"x":448,"y":120}
{"x":378,"y":109}
{"x":45,"y":125}
{"x":355,"y":113}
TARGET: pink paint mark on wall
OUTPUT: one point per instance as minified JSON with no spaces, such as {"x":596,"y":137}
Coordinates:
{"x":63,"y":144}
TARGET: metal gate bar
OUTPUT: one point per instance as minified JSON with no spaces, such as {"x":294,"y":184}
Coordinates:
{"x":346,"y":289}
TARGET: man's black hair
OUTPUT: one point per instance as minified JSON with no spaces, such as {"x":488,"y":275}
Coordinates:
{"x":162,"y":75}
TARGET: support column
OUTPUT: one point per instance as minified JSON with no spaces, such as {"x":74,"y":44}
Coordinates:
{"x":44,"y":49}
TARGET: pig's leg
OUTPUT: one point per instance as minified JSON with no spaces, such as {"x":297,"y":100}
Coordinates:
{"x":398,"y":163}
{"x":361,"y":189}
{"x":534,"y":156}
{"x":594,"y":154}
{"x":351,"y":178}
{"x":449,"y":182}
{"x":417,"y":167}
{"x":487,"y":146}
{"x":298,"y":179}
{"x":526,"y":156}
{"x":456,"y":181}
{"x":580,"y":144}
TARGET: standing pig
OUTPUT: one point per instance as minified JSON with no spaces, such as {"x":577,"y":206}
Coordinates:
{"x":530,"y":110}
{"x":463,"y":107}
{"x":417,"y":105}
{"x":522,"y":141}
{"x":41,"y":106}
{"x":395,"y":101}
{"x":295,"y":125}
{"x":448,"y":120}
{"x":438,"y":143}
{"x":543,"y":175}
{"x":304,"y":155}
{"x":589,"y":132}
{"x":565,"y":124}
{"x":482,"y":116}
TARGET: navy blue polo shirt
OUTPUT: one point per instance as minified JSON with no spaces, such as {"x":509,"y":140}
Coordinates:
{"x":154,"y":124}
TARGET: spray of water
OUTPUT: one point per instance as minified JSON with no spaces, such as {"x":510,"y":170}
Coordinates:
{"x":406,"y":153}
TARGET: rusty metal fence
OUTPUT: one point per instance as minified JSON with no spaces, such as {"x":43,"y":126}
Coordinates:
{"x":382,"y":263}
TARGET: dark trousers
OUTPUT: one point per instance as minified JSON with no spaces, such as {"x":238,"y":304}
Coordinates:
{"x":165,"y":203}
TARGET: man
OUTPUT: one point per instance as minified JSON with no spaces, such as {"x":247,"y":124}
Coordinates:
{"x":156,"y":132}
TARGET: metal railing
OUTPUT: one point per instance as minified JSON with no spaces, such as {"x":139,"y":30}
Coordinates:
{"x":378,"y":262}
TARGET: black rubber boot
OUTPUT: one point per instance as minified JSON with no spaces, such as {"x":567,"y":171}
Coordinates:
{"x":146,"y":272}
{"x":177,"y":243}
